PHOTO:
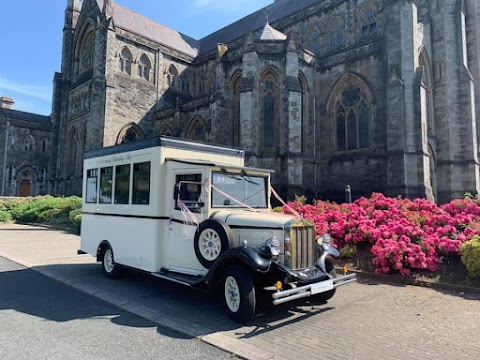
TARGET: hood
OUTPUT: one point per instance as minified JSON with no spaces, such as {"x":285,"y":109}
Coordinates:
{"x":253,"y":219}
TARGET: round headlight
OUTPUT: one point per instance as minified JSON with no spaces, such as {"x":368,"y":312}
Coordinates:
{"x":274,"y":245}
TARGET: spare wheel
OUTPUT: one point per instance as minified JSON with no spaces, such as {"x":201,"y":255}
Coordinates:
{"x":212,"y":239}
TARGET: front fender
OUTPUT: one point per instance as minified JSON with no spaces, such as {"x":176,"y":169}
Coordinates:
{"x":246,"y":256}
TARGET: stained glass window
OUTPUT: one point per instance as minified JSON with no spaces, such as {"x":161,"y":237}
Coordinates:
{"x":352,"y":120}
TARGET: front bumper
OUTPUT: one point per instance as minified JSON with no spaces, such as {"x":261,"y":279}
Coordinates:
{"x":284,"y":296}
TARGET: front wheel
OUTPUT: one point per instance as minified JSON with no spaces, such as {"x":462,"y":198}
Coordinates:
{"x":110,"y":268}
{"x":239,"y":294}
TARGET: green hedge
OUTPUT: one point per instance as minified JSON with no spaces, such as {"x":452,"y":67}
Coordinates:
{"x":470,"y":251}
{"x":43,"y":209}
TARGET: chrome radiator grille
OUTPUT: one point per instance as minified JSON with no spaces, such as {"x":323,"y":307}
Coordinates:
{"x":302,"y":247}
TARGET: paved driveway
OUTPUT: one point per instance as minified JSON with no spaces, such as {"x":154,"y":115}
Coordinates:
{"x":362,"y":321}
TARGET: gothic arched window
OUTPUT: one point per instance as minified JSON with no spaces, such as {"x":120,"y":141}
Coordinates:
{"x":144,"y":67}
{"x":236,"y":82}
{"x":336,"y":32}
{"x":172,"y":76}
{"x":312,"y":40}
{"x":87,"y":49}
{"x":29,"y":143}
{"x":197,"y":130}
{"x":42,"y":176}
{"x":130,"y":133}
{"x":369,"y":20}
{"x":125,"y":61}
{"x":269,"y":95}
{"x":165,"y":130}
{"x":303,"y":112}
{"x":10,"y":174}
{"x":352,"y":110}
{"x":72,"y":155}
{"x":44,"y":145}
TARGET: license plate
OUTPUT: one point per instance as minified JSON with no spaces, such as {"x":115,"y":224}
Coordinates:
{"x":321,"y":287}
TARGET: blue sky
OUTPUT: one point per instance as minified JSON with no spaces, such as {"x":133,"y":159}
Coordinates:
{"x":31,"y":42}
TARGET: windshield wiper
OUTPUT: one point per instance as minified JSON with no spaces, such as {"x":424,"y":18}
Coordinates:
{"x":248,"y":178}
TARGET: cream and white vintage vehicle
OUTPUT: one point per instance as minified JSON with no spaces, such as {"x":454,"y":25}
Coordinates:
{"x":193,"y":214}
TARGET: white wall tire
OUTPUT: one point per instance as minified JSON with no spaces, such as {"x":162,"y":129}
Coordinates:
{"x":239,"y":294}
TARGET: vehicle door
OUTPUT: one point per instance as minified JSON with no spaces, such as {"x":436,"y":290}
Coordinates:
{"x":187,"y":212}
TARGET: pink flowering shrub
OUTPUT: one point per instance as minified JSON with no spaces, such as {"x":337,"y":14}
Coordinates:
{"x":403,"y":234}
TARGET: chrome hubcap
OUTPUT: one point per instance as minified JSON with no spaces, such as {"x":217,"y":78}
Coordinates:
{"x":210,"y":244}
{"x":108,"y":261}
{"x":232,"y":294}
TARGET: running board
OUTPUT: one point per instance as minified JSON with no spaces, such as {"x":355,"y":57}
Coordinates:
{"x":183,"y":279}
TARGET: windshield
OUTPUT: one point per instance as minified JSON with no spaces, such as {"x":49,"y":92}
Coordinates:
{"x":247,"y":190}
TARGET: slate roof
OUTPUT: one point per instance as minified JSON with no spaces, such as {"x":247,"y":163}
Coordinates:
{"x":11,"y":114}
{"x":137,"y":23}
{"x":130,"y":20}
{"x":255,"y":21}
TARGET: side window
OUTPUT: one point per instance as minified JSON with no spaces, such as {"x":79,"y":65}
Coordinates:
{"x":188,"y":189}
{"x":122,"y":184}
{"x":91,"y":190}
{"x":106,"y":179}
{"x":141,"y":184}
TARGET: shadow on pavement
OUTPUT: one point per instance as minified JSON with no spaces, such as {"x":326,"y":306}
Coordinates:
{"x":182,"y":312}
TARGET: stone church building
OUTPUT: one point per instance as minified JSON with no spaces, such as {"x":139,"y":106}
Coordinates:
{"x":376,"y":94}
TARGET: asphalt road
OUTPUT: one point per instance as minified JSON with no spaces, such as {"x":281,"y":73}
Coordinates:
{"x":41,"y":318}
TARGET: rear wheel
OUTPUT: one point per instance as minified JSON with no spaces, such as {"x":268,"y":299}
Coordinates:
{"x":239,"y":294}
{"x":110,"y":268}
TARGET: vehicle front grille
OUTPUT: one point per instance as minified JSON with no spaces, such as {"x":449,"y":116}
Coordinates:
{"x":302,"y":247}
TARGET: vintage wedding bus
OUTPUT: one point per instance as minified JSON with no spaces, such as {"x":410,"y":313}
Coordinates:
{"x":194,"y":214}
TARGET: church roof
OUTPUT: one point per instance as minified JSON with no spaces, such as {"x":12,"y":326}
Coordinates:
{"x":277,"y":11}
{"x":270,"y":33}
{"x":11,"y":114}
{"x":130,"y":20}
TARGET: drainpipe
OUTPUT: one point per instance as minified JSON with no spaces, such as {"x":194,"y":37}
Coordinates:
{"x":5,"y":159}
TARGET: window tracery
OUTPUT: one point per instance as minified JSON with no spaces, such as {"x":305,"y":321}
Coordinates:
{"x":336,"y":33}
{"x":172,"y":76}
{"x":352,"y":113}
{"x":144,"y":66}
{"x":125,"y":61}
{"x":269,"y":92}
{"x":88,"y":50}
